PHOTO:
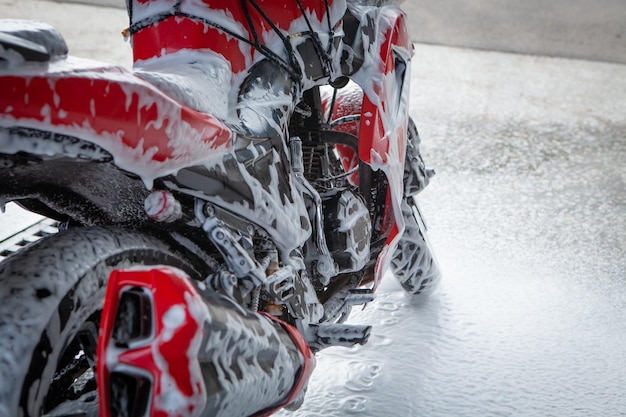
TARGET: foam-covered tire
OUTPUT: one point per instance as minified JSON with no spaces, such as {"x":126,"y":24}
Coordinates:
{"x":413,"y":262}
{"x":51,"y":296}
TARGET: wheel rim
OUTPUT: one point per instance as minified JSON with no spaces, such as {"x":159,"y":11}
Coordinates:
{"x":65,"y":276}
{"x":74,"y":380}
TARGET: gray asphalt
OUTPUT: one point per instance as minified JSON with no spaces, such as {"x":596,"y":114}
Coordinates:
{"x":584,"y":29}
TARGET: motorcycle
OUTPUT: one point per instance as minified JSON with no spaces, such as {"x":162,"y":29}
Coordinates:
{"x":220,"y":208}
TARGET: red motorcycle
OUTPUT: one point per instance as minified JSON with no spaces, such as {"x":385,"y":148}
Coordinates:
{"x":220,"y":208}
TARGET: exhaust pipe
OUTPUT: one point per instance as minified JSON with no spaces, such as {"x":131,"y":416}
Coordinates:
{"x":167,"y":349}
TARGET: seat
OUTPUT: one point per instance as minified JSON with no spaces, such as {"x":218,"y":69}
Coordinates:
{"x":30,"y":40}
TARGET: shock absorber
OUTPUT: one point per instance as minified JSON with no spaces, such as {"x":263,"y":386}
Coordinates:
{"x":169,"y":348}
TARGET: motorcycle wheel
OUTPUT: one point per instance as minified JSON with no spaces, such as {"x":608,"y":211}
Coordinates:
{"x":413,"y":262}
{"x":51,"y":297}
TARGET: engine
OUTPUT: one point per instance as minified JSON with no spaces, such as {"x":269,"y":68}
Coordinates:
{"x":347,"y":224}
{"x":346,"y":218}
{"x":347,"y":229}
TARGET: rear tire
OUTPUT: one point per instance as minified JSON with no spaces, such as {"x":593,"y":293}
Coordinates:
{"x":51,"y":296}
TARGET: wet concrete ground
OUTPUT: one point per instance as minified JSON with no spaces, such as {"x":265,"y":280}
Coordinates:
{"x":527,"y":214}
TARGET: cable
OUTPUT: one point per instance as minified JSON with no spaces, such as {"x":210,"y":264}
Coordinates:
{"x":291,"y":65}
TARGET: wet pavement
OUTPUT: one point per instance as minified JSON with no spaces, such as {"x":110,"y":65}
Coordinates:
{"x":527,"y":215}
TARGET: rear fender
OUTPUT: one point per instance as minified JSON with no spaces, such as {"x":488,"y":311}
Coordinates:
{"x":83,"y":191}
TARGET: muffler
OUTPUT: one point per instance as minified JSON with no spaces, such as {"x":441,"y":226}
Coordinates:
{"x":167,"y":348}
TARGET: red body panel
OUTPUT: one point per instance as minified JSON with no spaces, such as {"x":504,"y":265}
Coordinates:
{"x":123,"y":106}
{"x":383,"y":109}
{"x":146,"y":131}
{"x":222,"y":27}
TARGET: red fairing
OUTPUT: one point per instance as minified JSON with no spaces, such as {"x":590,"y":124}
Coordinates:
{"x":107,"y":105}
{"x":382,"y":104}
{"x":383,"y":126}
{"x":382,"y":119}
{"x":198,"y":25}
{"x":176,"y":33}
{"x":345,"y":115}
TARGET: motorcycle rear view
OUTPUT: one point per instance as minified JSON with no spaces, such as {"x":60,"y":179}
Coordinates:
{"x":221,"y":207}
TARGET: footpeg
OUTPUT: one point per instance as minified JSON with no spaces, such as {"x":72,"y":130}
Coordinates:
{"x":334,"y":334}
